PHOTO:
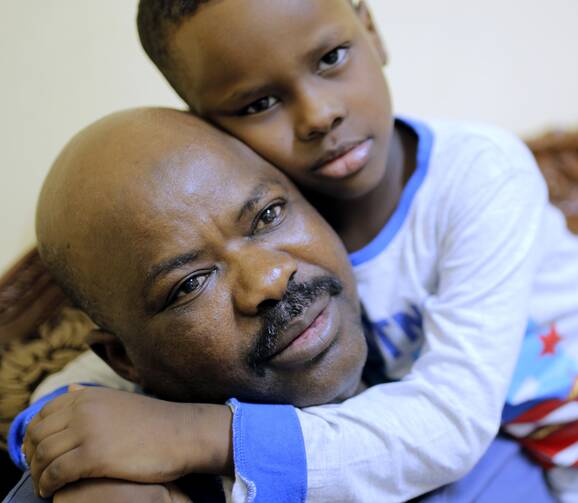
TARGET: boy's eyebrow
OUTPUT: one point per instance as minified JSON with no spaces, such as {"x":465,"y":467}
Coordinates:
{"x":329,"y":38}
{"x":249,"y":93}
{"x":169,"y":265}
{"x":327,"y":41}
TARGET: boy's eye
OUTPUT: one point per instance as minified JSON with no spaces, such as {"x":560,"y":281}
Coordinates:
{"x":333,"y":58}
{"x":270,"y":216}
{"x":261,"y":105}
{"x":190,"y":286}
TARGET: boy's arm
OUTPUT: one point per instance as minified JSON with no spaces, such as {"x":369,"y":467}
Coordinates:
{"x":103,"y":433}
{"x":85,"y":368}
{"x":20,"y":424}
{"x":89,"y":368}
{"x":404,"y":439}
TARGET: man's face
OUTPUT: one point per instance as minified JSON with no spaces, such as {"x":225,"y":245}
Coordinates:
{"x":299,"y":81}
{"x":227,"y":282}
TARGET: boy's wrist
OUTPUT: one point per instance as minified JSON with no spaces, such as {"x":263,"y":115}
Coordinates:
{"x":206,"y":440}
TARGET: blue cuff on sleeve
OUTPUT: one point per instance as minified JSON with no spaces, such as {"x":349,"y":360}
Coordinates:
{"x":21,"y":422}
{"x":269,"y":452}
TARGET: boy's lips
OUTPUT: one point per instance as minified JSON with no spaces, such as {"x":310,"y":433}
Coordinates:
{"x":307,"y":337}
{"x":345,"y":161}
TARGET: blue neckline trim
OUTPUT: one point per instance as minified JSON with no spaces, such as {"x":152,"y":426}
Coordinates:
{"x":391,"y":228}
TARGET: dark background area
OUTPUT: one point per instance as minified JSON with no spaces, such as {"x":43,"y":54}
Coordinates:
{"x":9,"y":474}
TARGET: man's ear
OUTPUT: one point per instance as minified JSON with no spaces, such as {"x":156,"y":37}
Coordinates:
{"x":110,"y":349}
{"x":366,"y":19}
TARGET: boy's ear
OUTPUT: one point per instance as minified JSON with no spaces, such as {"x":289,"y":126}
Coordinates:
{"x":110,"y":349}
{"x":366,"y":19}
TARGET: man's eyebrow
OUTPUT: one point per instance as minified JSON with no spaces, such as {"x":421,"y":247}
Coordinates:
{"x":168,"y":266}
{"x":256,"y":195}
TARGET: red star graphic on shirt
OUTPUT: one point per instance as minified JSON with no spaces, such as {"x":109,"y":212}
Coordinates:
{"x":550,"y":341}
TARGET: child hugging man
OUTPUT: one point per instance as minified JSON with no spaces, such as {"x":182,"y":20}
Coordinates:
{"x":467,"y":274}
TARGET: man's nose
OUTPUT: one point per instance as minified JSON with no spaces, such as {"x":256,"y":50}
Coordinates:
{"x":318,"y":113}
{"x":260,"y":277}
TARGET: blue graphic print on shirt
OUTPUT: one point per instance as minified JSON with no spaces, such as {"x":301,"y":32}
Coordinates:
{"x":401,"y":332}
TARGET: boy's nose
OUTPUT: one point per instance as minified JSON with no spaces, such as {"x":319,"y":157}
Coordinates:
{"x":259,"y":277}
{"x":319,"y":113}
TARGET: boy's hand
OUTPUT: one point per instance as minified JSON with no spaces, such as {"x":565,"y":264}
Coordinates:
{"x":104,"y":433}
{"x":118,"y":491}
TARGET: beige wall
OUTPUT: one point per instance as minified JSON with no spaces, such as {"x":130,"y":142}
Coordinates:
{"x":64,"y":63}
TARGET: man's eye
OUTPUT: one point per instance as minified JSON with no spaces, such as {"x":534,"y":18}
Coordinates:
{"x":269,"y":216}
{"x":190,"y":286}
{"x":333,"y":58}
{"x":259,"y":106}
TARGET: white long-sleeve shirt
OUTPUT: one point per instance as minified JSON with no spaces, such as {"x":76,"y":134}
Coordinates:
{"x":474,"y":266}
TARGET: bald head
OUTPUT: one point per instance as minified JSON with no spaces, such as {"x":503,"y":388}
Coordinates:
{"x":201,"y":262}
{"x":97,"y":182}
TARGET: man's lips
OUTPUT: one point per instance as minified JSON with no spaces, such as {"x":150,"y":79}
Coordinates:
{"x":308,"y":336}
{"x":344,"y":161}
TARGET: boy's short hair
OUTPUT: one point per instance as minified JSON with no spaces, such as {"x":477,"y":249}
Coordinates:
{"x":155,"y":20}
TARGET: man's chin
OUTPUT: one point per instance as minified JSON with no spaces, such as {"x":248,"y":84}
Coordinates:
{"x":333,"y":377}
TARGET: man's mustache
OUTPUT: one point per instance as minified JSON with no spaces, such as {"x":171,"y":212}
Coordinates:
{"x":298,"y":297}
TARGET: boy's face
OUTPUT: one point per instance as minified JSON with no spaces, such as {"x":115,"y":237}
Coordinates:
{"x":220,"y":278}
{"x":299,"y":81}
